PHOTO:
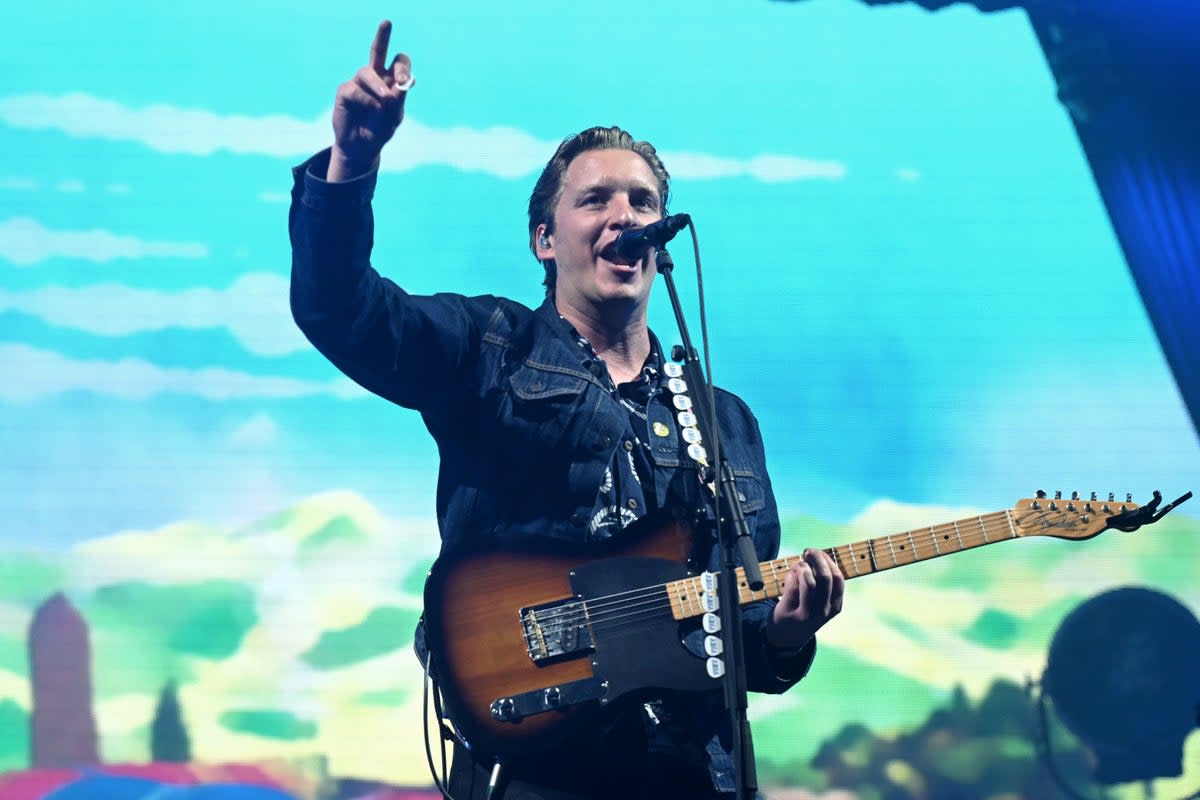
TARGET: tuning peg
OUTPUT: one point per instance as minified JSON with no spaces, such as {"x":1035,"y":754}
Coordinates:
{"x":1093,"y":495}
{"x":1074,"y":495}
{"x":1111,"y":496}
{"x":1129,"y":497}
{"x":1058,"y":495}
{"x":1040,"y":494}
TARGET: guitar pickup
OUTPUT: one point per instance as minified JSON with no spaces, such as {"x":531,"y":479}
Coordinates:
{"x":557,"y":631}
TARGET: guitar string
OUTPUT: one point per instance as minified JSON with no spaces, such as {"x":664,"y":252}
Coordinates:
{"x":603,"y":608}
{"x":991,"y":524}
{"x":643,"y":603}
{"x":656,"y":599}
{"x":993,"y":527}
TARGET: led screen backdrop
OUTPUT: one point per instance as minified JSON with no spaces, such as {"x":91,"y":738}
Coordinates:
{"x":910,"y":278}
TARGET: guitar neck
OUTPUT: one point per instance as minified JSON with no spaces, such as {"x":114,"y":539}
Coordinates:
{"x":860,"y":558}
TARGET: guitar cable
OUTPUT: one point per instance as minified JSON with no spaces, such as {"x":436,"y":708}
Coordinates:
{"x":442,"y":782}
{"x":429,"y":686}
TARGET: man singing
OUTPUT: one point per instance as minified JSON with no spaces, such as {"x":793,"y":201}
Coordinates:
{"x":554,"y":425}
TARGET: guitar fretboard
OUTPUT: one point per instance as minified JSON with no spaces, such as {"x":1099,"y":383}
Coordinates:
{"x":859,"y":558}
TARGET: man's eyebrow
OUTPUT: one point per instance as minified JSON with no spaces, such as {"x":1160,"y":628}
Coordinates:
{"x":609,"y":185}
{"x":618,"y":183}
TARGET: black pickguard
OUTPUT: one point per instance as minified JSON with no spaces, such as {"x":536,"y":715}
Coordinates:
{"x":638,"y":643}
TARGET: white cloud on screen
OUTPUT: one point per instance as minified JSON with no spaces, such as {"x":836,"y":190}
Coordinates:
{"x":25,"y":242}
{"x":502,"y":151}
{"x":45,"y":373}
{"x":258,"y":431}
{"x":254,"y":309}
{"x":765,"y":168}
{"x":160,"y":127}
{"x":19,"y":184}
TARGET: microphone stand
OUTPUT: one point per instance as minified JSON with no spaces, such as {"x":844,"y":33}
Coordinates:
{"x":733,"y":538}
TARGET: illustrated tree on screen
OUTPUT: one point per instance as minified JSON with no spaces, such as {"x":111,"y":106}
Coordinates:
{"x":168,"y":735}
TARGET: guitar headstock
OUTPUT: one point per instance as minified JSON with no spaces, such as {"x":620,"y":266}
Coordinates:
{"x":1073,"y":518}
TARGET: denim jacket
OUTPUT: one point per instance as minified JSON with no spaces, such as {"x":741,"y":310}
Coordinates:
{"x":524,"y":429}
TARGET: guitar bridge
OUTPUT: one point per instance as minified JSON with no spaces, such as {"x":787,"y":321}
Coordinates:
{"x":557,"y":631}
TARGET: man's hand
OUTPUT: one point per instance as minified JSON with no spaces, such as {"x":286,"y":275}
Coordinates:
{"x":812,"y":595}
{"x":368,"y":109}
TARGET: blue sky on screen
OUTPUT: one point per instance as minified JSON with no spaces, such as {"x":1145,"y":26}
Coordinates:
{"x":909,"y":272}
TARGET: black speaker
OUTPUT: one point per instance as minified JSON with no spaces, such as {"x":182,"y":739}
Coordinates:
{"x":1124,"y":674}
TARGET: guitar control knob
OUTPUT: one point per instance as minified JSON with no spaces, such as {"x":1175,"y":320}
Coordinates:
{"x":552,"y":697}
{"x":503,"y":709}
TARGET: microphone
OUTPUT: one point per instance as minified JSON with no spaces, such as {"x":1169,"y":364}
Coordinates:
{"x":633,"y":243}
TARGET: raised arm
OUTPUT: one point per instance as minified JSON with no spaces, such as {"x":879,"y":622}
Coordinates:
{"x":414,"y":350}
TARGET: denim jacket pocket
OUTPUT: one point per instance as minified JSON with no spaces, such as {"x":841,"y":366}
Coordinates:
{"x":541,"y":408}
{"x":535,"y":383}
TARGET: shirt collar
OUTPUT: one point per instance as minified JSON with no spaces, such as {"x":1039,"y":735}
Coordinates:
{"x":651,"y":376}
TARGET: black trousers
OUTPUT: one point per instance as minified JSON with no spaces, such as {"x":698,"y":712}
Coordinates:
{"x":583,"y":773}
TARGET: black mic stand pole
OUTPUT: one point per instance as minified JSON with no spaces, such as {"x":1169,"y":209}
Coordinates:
{"x":734,"y":539}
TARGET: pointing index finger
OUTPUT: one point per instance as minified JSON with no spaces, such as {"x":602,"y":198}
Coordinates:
{"x":379,"y":47}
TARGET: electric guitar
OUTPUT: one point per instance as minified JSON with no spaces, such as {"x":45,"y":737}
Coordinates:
{"x":529,"y":646}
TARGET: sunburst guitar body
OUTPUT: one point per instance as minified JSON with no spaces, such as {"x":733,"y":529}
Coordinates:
{"x":530,"y":646}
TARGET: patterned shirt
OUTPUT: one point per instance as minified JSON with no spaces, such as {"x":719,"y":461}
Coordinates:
{"x":627,"y":491}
